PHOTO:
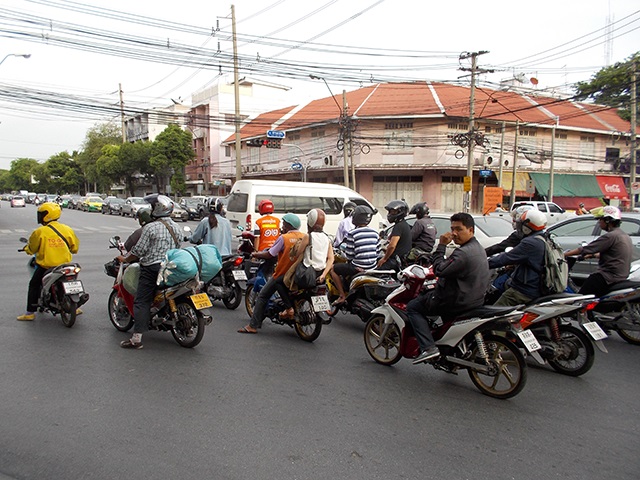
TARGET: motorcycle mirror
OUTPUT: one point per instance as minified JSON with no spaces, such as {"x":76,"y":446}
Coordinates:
{"x":117,"y":238}
{"x":23,"y":240}
{"x":240,"y":227}
{"x":186,"y":229}
{"x":508,"y":249}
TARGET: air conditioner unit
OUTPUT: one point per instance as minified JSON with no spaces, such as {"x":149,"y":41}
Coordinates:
{"x":328,"y":160}
{"x":199,"y":175}
{"x":187,"y":177}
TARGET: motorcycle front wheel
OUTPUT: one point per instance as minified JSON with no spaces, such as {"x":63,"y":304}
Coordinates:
{"x":234,"y":300}
{"x":577,"y":352}
{"x":308,"y":325}
{"x":250,"y":297}
{"x":631,"y":336}
{"x":507,"y":374}
{"x":189,"y":328}
{"x":68,"y":312}
{"x":119,"y":313}
{"x":383,"y":345}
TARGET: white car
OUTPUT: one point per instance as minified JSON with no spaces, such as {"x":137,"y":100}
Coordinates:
{"x":17,"y":201}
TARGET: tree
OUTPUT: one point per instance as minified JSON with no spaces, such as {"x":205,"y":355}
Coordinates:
{"x":97,"y":137}
{"x":171,"y":151}
{"x":63,"y":173}
{"x":611,"y":86}
{"x":21,"y":172}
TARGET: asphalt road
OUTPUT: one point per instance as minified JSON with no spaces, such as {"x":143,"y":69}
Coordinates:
{"x":270,"y":406}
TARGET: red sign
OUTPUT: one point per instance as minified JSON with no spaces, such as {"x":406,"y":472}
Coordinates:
{"x":612,"y":187}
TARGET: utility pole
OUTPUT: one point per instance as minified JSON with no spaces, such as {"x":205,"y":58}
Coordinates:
{"x":344,"y":138}
{"x":515,"y":166}
{"x":124,"y":135}
{"x":634,"y":119}
{"x":553,"y":155}
{"x":472,"y":100}
{"x":503,"y":127}
{"x":236,"y":93}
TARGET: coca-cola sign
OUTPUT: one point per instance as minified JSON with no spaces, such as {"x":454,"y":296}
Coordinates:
{"x":612,"y":188}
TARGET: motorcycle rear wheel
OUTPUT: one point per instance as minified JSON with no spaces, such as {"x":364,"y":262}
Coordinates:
{"x":232,"y":302}
{"x":308,"y":324}
{"x":631,"y":336}
{"x":384,"y":350}
{"x":580,"y":352}
{"x":119,"y":313}
{"x":189,"y":328}
{"x":68,"y":312}
{"x":250,"y":297}
{"x":510,"y":370}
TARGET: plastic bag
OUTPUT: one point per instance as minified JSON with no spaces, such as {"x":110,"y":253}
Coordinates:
{"x":130,"y":278}
{"x":183,"y":264}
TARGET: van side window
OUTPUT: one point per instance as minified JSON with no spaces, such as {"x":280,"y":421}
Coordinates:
{"x":238,"y":202}
{"x":301,"y":204}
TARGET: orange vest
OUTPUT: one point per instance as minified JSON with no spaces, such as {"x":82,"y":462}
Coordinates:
{"x":269,"y":231}
{"x":284,"y":262}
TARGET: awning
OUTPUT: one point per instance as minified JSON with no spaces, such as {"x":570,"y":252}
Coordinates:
{"x":571,"y":203}
{"x":612,"y":187}
{"x":522,"y":179}
{"x":565,"y":185}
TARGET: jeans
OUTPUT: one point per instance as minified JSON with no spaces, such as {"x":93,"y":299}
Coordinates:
{"x":512,"y":297}
{"x":35,"y":286}
{"x":274,"y":284}
{"x":144,"y":297}
{"x":417,"y":311}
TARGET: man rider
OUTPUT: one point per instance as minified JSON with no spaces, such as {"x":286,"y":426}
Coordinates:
{"x":615,"y":250}
{"x":144,"y":217}
{"x":214,"y":229}
{"x":281,"y":250}
{"x":528,"y":256}
{"x":267,"y":228}
{"x":346,"y":224}
{"x":399,"y":238}
{"x":463,"y":277}
{"x":423,"y":231}
{"x":515,"y":237}
{"x":157,"y":238}
{"x":53,"y":244}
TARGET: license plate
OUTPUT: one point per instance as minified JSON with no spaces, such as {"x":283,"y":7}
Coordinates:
{"x":594,"y":330}
{"x":200,"y":301}
{"x":239,"y":274}
{"x":320,"y":303}
{"x":529,"y":340}
{"x":73,"y":287}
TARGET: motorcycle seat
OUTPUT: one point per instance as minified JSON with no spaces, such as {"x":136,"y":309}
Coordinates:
{"x":624,"y":284}
{"x":483,"y":312}
{"x":553,"y":296}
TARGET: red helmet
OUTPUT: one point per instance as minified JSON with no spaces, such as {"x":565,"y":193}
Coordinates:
{"x":265,"y":206}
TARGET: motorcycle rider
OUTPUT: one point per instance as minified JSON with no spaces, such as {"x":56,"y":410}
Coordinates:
{"x":515,"y":237}
{"x":362,"y":249}
{"x":399,"y":238}
{"x":280,"y":250}
{"x":53,"y":244}
{"x":144,"y":217}
{"x":423,"y":231}
{"x":158,"y":237}
{"x":528,"y":256}
{"x":214,"y":229}
{"x":615,"y":251}
{"x":463,"y":277}
{"x":346,"y":224}
{"x":267,"y":228}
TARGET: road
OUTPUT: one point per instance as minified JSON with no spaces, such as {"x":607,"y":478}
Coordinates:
{"x":269,"y":406}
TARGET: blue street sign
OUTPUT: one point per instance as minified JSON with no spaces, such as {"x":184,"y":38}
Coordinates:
{"x":275,"y":134}
{"x":485,"y":173}
{"x":296,"y":166}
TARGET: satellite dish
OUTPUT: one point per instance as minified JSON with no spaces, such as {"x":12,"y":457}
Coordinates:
{"x":533,"y":80}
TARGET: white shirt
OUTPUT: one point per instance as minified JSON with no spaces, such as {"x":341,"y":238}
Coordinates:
{"x":315,"y":255}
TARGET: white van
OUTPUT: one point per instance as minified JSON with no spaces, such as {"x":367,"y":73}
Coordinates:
{"x":292,"y":197}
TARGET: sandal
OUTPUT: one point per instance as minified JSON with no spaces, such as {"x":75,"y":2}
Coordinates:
{"x":246,"y":330}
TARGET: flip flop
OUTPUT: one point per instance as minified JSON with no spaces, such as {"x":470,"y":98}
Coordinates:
{"x":246,"y":330}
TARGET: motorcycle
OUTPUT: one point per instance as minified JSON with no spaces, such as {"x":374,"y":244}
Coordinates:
{"x":310,"y":306}
{"x":182,"y":309}
{"x":225,"y":285}
{"x":476,"y":342}
{"x":62,"y":292}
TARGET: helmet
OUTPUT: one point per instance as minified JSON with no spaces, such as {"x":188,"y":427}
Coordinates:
{"x":315,"y":219}
{"x":361,"y":216}
{"x":348,"y":208}
{"x":397,"y":210}
{"x":144,"y":216}
{"x":161,"y":205}
{"x":215,"y":205}
{"x":532,"y":221}
{"x":292,"y":219}
{"x":48,"y":212}
{"x":420,"y":209}
{"x":516,"y":214}
{"x":265,"y":206}
{"x":609,"y":213}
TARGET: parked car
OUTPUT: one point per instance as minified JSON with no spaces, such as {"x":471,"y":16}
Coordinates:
{"x":179,"y":213}
{"x":112,"y":205}
{"x":191,"y":205}
{"x":553,"y":212}
{"x":75,"y":201}
{"x":131,"y":206}
{"x":92,"y":204}
{"x":583,"y":229}
{"x":17,"y":201}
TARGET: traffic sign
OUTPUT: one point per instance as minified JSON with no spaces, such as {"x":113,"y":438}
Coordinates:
{"x":485,"y":173}
{"x":531,"y":187}
{"x":275,"y":134}
{"x":296,"y":166}
{"x":635,"y":187}
{"x":467,"y":184}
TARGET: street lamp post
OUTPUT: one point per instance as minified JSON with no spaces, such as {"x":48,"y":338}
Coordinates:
{"x":23,"y":55}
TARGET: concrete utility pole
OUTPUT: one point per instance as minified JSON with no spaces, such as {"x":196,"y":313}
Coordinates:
{"x":344,"y":138}
{"x":236,"y":93}
{"x":503,"y":127}
{"x":124,"y":134}
{"x":515,"y":166}
{"x":634,"y":119}
{"x":553,"y":155}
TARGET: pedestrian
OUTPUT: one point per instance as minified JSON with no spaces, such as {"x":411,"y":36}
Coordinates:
{"x":499,"y":208}
{"x":581,"y":210}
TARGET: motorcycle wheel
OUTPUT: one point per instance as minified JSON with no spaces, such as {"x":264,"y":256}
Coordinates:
{"x":631,"y":336}
{"x":234,"y":300}
{"x":578,"y":355}
{"x":250,"y":299}
{"x":384,"y":350}
{"x":119,"y":313}
{"x":189,"y":328}
{"x":68,"y":312}
{"x":308,"y":325}
{"x":509,"y":371}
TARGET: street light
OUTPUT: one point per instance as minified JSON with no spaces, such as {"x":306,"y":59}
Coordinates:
{"x":23,"y":55}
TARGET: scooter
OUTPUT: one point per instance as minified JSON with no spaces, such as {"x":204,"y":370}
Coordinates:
{"x":477,"y":342}
{"x":62,"y":292}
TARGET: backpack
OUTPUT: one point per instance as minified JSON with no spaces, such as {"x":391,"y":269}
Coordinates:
{"x":555,"y":274}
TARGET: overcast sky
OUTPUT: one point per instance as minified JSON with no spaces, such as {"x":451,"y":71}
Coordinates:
{"x":349,"y":42}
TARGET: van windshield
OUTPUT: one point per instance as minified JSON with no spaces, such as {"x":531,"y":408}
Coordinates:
{"x":301,"y":204}
{"x":238,"y":202}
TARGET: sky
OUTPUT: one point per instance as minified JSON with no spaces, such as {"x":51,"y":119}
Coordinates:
{"x":161,"y":54}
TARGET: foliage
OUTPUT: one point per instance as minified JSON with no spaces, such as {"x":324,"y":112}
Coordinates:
{"x":20,"y":173}
{"x":97,"y":137}
{"x":170,"y":153}
{"x":611,"y":86}
{"x":62,"y":173}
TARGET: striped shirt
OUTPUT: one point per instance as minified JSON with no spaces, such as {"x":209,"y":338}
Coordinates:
{"x":156,"y":241}
{"x":362,"y":247}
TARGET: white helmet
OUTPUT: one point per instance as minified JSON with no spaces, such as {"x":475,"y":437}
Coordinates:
{"x":532,"y":221}
{"x":517,"y":212}
{"x":611,"y":213}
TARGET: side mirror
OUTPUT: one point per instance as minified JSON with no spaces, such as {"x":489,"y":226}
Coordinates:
{"x":186,"y":229}
{"x":240,"y":227}
{"x":23,"y":240}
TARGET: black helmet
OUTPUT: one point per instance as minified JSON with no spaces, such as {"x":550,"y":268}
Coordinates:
{"x":361,"y":216}
{"x":216,"y":206}
{"x":420,"y":210}
{"x":396,"y":210}
{"x":348,"y":208}
{"x":161,"y":205}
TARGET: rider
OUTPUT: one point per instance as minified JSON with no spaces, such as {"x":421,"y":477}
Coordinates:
{"x":615,"y":249}
{"x":158,"y":237}
{"x":214,"y":229}
{"x":529,"y":256}
{"x":267,"y":226}
{"x":53,"y":244}
{"x":346,"y":224}
{"x":515,"y":237}
{"x":399,"y":238}
{"x":361,"y":247}
{"x":280,"y":250}
{"x":423,"y":231}
{"x":463,"y":277}
{"x":144,"y":217}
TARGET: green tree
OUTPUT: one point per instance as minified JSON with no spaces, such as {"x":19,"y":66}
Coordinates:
{"x":97,"y":137}
{"x":63,"y":173}
{"x":611,"y":86}
{"x":21,"y":172}
{"x":5,"y":181}
{"x":171,"y":151}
